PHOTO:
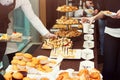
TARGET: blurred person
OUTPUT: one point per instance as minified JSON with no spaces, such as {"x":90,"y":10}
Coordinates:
{"x":6,"y":6}
{"x":111,"y":65}
{"x":91,"y":6}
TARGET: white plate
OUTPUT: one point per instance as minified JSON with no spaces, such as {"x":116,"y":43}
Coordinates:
{"x":108,"y":13}
{"x":39,"y":77}
{"x":86,"y":64}
{"x":87,"y":54}
{"x":88,"y":37}
{"x":88,"y":44}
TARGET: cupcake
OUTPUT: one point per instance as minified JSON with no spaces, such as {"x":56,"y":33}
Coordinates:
{"x":27,"y":57}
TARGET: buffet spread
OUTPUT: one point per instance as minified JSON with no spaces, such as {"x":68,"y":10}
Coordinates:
{"x":14,"y":37}
{"x":24,"y":66}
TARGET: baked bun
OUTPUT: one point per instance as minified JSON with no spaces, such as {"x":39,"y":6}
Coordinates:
{"x":21,"y":65}
{"x":44,"y":78}
{"x":17,"y":76}
{"x":19,"y":56}
{"x":26,"y":78}
{"x":95,"y":75}
{"x":30,"y":64}
{"x":27,"y":57}
{"x":8,"y":76}
{"x":14,"y":62}
{"x":35,"y":61}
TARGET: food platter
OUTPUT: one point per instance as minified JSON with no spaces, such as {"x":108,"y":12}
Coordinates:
{"x":66,"y":53}
{"x":66,"y":8}
{"x":56,"y":43}
{"x":83,"y":74}
{"x":11,"y":38}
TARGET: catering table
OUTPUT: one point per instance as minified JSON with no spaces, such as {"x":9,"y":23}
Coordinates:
{"x":71,"y":63}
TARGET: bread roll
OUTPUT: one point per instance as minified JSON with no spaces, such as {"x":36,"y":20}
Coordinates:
{"x":27,"y":57}
{"x":17,"y":75}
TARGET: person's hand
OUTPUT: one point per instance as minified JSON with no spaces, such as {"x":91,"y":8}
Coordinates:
{"x":117,"y":16}
{"x":50,"y":35}
{"x":95,"y":11}
{"x":88,"y":20}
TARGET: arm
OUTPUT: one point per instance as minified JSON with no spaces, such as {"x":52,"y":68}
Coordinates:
{"x":35,"y":21}
{"x":92,"y":19}
{"x":98,"y":16}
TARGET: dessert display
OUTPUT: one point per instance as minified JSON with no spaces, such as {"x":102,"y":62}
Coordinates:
{"x":68,"y":33}
{"x":83,"y":74}
{"x":16,"y":36}
{"x":59,"y":26}
{"x":32,"y":65}
{"x":56,"y":43}
{"x":66,"y":53}
{"x":26,"y":67}
{"x":66,"y":8}
{"x":67,"y":20}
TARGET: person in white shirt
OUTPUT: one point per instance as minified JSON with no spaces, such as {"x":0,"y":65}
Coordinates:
{"x":111,"y":67}
{"x":6,"y":6}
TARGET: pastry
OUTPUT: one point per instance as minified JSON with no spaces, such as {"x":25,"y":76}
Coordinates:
{"x":27,"y":57}
{"x":66,"y":8}
{"x":17,"y":76}
{"x":21,"y":65}
{"x":16,"y":36}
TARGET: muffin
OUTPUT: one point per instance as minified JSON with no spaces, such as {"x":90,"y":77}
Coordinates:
{"x":27,"y":57}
